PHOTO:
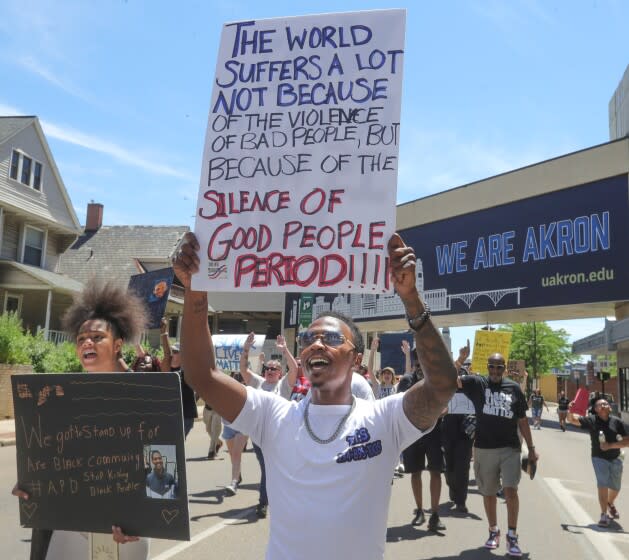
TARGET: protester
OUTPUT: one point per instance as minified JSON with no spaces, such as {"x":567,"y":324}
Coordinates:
{"x":172,"y":363}
{"x":385,"y":387}
{"x":302,"y":384}
{"x":271,"y":382}
{"x":500,"y":408}
{"x":423,"y":454}
{"x":145,"y":361}
{"x":536,"y":402}
{"x":328,"y":455}
{"x":100,"y":320}
{"x":608,"y":435}
{"x":562,"y":409}
{"x":236,"y":443}
{"x":458,"y":430}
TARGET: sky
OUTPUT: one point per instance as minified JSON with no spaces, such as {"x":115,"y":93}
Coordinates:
{"x":122,"y":89}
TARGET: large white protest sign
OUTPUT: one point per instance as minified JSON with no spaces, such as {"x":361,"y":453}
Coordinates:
{"x":228,"y":349}
{"x":299,"y":174}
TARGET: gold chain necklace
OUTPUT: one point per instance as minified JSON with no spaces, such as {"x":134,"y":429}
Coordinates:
{"x":315,"y":437}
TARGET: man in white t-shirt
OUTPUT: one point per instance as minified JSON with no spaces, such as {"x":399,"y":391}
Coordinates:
{"x":323,"y":452}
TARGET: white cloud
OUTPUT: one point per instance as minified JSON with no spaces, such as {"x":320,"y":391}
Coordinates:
{"x":32,"y":65}
{"x":106,"y":147}
{"x":119,"y":153}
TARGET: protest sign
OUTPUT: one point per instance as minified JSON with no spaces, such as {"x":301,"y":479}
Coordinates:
{"x":516,"y":369}
{"x":89,"y":449}
{"x":487,"y":343}
{"x":299,"y":172}
{"x":153,"y":288}
{"x":228,"y":349}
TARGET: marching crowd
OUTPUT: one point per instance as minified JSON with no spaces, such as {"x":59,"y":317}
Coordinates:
{"x":331,"y":427}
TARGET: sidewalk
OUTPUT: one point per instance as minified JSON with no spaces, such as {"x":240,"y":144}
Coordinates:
{"x":7,"y":432}
{"x":7,"y":428}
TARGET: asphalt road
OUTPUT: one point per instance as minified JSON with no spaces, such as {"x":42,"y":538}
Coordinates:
{"x":558,"y":511}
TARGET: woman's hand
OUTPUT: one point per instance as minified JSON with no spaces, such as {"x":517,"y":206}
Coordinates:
{"x":18,"y":492}
{"x":249,"y":341}
{"x":120,"y":537}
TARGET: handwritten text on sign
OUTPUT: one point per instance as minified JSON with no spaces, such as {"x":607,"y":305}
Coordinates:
{"x":299,"y":173}
{"x":82,"y":444}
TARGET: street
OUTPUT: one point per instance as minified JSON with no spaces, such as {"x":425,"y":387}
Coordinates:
{"x":558,"y":511}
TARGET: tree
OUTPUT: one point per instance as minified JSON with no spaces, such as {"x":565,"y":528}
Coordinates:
{"x":541,"y":347}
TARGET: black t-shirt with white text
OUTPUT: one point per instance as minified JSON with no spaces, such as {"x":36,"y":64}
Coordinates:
{"x":537,"y":401}
{"x":562,"y":404}
{"x":612,"y":428}
{"x":498,"y":407}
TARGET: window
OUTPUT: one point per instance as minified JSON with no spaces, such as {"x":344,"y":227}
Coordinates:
{"x":37,"y":176}
{"x":33,"y":246}
{"x":12,"y":303}
{"x":15,"y":164}
{"x":28,"y":171}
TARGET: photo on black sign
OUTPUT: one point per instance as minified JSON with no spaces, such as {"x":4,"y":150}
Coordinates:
{"x":161,"y":471}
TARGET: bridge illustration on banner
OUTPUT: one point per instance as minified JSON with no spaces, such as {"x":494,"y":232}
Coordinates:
{"x":368,"y":306}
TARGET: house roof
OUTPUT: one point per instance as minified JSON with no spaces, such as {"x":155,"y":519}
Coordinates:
{"x":116,"y":252}
{"x":9,"y":127}
{"x":12,"y":125}
{"x":24,"y":277}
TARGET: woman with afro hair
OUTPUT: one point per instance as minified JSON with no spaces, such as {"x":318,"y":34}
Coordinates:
{"x":100,"y":320}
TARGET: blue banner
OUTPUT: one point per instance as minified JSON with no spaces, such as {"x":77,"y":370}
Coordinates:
{"x":391,"y":354}
{"x":562,"y":248}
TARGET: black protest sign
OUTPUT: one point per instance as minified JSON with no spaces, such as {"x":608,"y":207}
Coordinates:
{"x":102,"y":449}
{"x":153,"y":288}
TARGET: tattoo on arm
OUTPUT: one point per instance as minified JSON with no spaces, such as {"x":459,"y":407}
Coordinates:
{"x":199,"y":304}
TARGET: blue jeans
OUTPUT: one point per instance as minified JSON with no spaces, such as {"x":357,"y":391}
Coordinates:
{"x":264,"y":500}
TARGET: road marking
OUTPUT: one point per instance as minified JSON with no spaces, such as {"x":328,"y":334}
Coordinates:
{"x":203,"y":535}
{"x":599,"y":539}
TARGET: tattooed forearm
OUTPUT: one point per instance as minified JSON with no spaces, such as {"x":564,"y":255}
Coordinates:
{"x":199,"y":303}
{"x":425,"y":401}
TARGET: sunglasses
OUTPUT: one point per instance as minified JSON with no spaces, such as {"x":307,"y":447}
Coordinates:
{"x":495,"y":366}
{"x":271,"y":368}
{"x":328,"y":338}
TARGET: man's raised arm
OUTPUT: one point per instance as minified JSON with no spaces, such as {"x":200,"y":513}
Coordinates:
{"x":220,"y":391}
{"x":424,"y":402}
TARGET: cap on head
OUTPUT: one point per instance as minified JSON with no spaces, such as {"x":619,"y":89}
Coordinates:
{"x":175,"y":347}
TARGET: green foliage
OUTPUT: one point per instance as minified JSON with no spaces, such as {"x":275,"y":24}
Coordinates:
{"x":61,"y":358}
{"x":541,"y":347}
{"x":38,"y":349}
{"x":14,"y":344}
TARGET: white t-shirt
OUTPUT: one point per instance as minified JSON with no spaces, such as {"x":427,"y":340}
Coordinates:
{"x":460,"y":404}
{"x":338,"y":491}
{"x":361,"y":387}
{"x":281,"y":388}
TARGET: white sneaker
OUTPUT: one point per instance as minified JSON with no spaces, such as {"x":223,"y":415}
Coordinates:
{"x":232,"y":488}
